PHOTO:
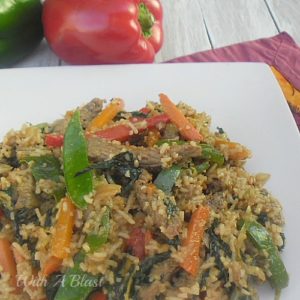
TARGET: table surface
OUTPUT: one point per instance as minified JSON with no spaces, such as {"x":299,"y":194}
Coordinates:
{"x":195,"y":25}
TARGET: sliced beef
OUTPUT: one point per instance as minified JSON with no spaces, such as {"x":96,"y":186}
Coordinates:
{"x":87,"y":113}
{"x":214,"y":186}
{"x":149,"y":158}
{"x":25,"y":187}
{"x":90,"y":111}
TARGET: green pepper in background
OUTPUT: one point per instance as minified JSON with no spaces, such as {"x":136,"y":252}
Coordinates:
{"x":166,"y":179}
{"x":96,"y":240}
{"x":21,"y":29}
{"x":75,"y":157}
{"x":262,"y":240}
{"x":76,"y":284}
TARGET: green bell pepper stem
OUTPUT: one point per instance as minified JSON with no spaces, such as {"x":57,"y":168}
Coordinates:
{"x":21,"y":29}
{"x":97,"y":240}
{"x":166,"y":179}
{"x":75,"y":158}
{"x":202,"y":167}
{"x":76,"y":284}
{"x":262,"y":240}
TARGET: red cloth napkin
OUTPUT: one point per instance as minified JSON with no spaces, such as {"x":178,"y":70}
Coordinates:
{"x":279,"y":51}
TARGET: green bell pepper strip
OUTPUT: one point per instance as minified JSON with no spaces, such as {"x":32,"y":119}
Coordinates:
{"x":202,"y":167}
{"x":96,"y":240}
{"x":212,"y":154}
{"x":75,"y":158}
{"x":166,"y":179}
{"x":262,"y":240}
{"x":21,"y":29}
{"x":76,"y":284}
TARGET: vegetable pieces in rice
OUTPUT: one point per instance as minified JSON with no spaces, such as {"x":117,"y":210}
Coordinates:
{"x":148,"y":204}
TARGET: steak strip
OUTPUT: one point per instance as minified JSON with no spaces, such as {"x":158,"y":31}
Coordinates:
{"x":149,"y":158}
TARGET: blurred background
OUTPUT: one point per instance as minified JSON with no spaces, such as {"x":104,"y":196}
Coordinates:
{"x":224,"y":22}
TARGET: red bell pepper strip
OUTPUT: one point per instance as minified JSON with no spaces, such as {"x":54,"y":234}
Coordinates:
{"x":154,"y":121}
{"x":122,"y":132}
{"x":119,"y":133}
{"x":138,"y":241}
{"x":54,"y":140}
{"x":102,"y":31}
{"x":145,"y":110}
{"x":97,"y":296}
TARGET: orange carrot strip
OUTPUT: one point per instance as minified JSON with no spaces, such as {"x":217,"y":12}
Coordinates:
{"x":63,"y":230}
{"x":106,"y":115}
{"x":236,"y":151}
{"x":186,"y":129}
{"x":51,"y":265}
{"x":193,"y":240}
{"x":8,"y":263}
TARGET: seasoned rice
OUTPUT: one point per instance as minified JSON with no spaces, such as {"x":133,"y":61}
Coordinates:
{"x":143,"y":254}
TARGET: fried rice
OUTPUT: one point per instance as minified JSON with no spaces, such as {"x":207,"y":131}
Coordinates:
{"x":143,"y":249}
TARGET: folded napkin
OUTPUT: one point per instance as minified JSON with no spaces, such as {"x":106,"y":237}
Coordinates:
{"x":280,"y":52}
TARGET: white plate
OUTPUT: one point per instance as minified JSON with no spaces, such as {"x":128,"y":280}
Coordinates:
{"x":244,"y":99}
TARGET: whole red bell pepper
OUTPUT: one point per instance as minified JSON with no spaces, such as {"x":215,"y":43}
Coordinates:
{"x":104,"y":31}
